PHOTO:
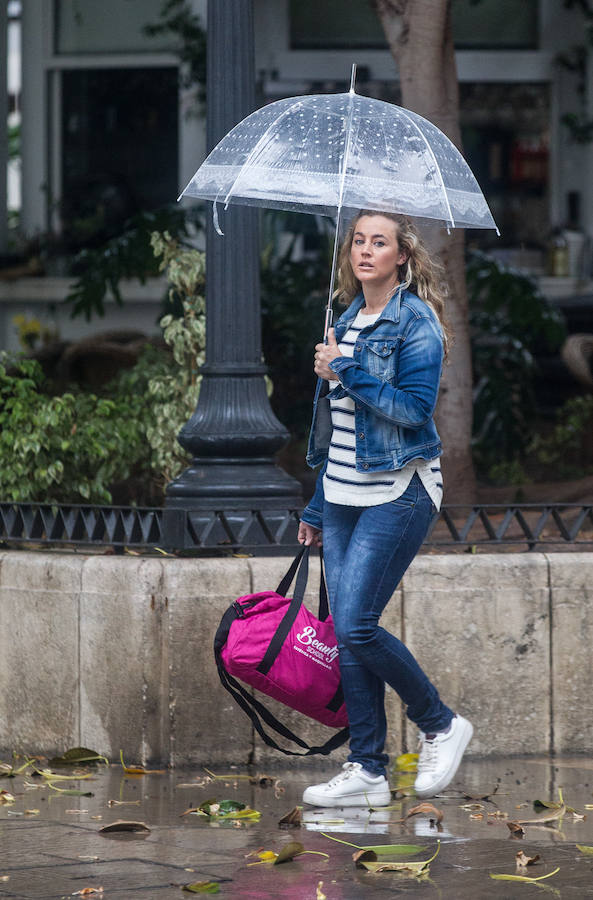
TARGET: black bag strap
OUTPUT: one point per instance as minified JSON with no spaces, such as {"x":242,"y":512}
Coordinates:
{"x":252,"y":707}
{"x":288,"y":620}
{"x":299,"y":589}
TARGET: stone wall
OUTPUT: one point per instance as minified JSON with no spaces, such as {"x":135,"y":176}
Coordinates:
{"x":116,"y":653}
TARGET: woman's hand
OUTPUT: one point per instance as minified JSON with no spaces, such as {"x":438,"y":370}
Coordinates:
{"x":309,"y":536}
{"x":324,"y":354}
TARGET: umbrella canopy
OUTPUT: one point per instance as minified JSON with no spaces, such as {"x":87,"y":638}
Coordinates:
{"x":328,"y":152}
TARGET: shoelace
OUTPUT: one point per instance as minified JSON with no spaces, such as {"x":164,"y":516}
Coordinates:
{"x":349,"y":769}
{"x":428,"y":755}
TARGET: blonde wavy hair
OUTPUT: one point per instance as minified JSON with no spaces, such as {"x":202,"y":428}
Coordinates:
{"x":420,"y":273}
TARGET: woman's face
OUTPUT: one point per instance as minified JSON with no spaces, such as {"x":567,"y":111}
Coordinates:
{"x":375,"y":254}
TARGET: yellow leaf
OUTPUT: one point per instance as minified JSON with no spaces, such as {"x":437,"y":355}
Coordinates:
{"x":319,"y":894}
{"x":407,"y":762}
{"x":588,"y":851}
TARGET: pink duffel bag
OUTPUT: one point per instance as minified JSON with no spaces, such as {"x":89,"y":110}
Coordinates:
{"x":276,"y":645}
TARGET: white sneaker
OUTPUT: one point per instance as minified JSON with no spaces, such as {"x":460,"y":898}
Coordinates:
{"x":351,"y":787}
{"x":440,"y":756}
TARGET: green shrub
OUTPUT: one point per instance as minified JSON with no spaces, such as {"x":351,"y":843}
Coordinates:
{"x":65,"y":449}
{"x":511,"y":321}
{"x":73,"y":447}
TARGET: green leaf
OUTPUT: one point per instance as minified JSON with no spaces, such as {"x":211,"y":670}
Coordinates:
{"x":416,"y":868}
{"x":70,"y":792}
{"x":202,"y":887}
{"x":288,"y":852}
{"x":588,"y":851}
{"x":382,"y":849}
{"x":78,"y":756}
{"x":523,"y":877}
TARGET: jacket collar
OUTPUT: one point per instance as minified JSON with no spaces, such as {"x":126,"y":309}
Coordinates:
{"x":391,"y":311}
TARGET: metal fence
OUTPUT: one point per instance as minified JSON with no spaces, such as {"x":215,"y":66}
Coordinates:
{"x":527,"y":526}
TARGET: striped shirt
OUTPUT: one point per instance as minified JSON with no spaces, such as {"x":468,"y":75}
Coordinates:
{"x":342,"y":484}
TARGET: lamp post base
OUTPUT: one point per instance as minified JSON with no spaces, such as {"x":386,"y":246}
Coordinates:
{"x":232,"y":501}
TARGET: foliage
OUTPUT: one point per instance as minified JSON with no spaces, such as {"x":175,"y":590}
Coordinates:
{"x":576,"y":61}
{"x":73,"y":447}
{"x":174,"y":395}
{"x":555,"y":449}
{"x":293,"y":296}
{"x":178,"y":19}
{"x":511,"y":321}
{"x":68,"y":448}
{"x":128,"y":255}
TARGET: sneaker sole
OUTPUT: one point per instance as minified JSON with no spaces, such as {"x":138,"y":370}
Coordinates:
{"x":449,"y":775}
{"x":366,"y":799}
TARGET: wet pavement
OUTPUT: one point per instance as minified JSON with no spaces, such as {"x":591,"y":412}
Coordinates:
{"x":59,"y":850}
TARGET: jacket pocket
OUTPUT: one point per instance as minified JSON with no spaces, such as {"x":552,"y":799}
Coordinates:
{"x":382,"y":358}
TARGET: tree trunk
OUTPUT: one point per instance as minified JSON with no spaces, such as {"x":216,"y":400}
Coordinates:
{"x":421,"y":41}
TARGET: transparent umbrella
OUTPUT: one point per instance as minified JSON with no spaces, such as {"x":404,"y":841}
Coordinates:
{"x":332,"y":154}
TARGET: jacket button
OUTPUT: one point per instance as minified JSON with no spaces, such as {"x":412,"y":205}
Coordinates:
{"x":361,"y":434}
{"x":357,"y":349}
{"x":365,"y":465}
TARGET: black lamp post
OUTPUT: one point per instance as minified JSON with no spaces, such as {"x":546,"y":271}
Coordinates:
{"x":233,"y":434}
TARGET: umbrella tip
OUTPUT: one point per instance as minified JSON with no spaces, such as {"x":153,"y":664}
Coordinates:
{"x":353,"y":78}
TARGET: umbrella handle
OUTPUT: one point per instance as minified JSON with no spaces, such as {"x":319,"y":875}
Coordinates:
{"x":329,"y":317}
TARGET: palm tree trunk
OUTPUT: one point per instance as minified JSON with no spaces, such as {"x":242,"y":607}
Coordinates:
{"x":421,"y":41}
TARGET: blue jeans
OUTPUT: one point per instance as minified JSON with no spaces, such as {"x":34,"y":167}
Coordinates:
{"x":366,"y":552}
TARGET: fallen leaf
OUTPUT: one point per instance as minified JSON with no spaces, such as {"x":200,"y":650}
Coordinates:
{"x":54,"y":776}
{"x":588,"y":851}
{"x":407,"y":762}
{"x":477,"y":816}
{"x":416,"y":868}
{"x":138,"y":770}
{"x":588,"y":805}
{"x":92,"y":858}
{"x":546,"y":804}
{"x":522,"y":860}
{"x":472,"y":807}
{"x":4,"y":878}
{"x":292,"y":819}
{"x":516,"y":830}
{"x":523,"y":877}
{"x":69,"y":792}
{"x":123,"y":803}
{"x":361,"y":856}
{"x":319,"y":895}
{"x":78,"y":756}
{"x":498,"y":814}
{"x":578,"y":817}
{"x":559,"y":810}
{"x":31,"y":812}
{"x":84,"y":892}
{"x":9,"y":771}
{"x":76,"y":812}
{"x":425,"y":809}
{"x":381,"y":849}
{"x":288,"y":852}
{"x":123,"y":825}
{"x":6,"y":798}
{"x":202,"y":887}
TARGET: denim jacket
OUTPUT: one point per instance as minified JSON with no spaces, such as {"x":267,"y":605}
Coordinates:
{"x":393,"y":379}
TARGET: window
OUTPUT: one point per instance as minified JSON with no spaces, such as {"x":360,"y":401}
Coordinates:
{"x":119,"y":146}
{"x":111,"y":26}
{"x":490,"y":24}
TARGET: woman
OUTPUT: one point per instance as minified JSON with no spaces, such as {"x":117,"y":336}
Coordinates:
{"x":376,"y":494}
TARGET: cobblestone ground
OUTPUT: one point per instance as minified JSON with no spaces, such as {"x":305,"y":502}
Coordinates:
{"x":60,"y":852}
